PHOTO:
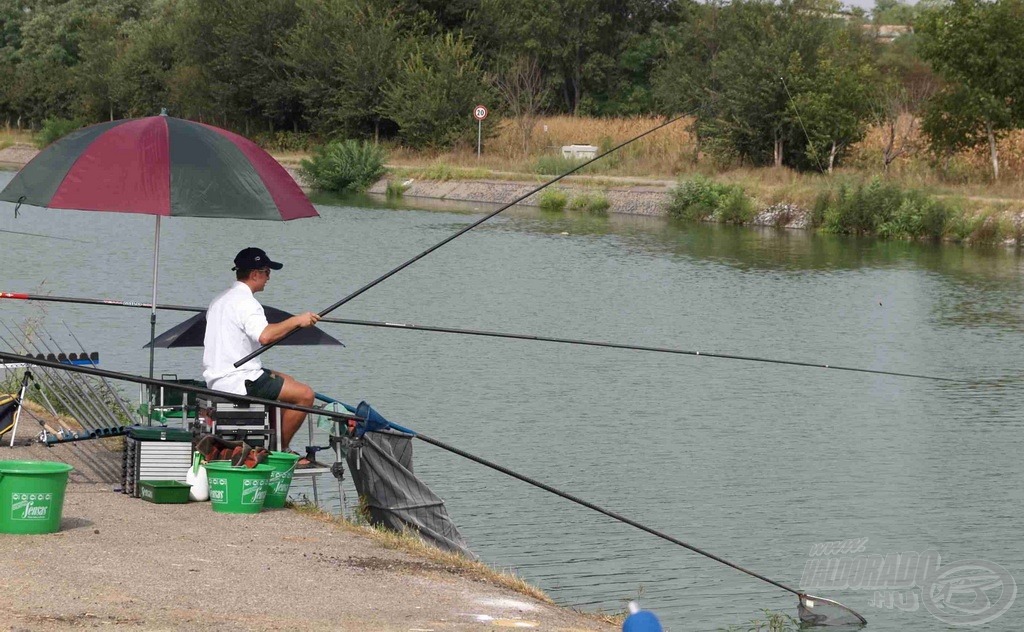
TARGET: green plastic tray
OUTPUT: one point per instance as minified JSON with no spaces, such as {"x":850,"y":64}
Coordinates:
{"x":164,"y":492}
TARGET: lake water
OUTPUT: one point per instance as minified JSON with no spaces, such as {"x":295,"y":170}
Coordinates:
{"x":756,"y":463}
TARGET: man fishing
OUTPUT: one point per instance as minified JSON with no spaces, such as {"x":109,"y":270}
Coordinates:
{"x":236,"y":325}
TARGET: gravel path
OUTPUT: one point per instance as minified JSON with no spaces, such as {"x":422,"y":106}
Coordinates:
{"x":120,"y":561}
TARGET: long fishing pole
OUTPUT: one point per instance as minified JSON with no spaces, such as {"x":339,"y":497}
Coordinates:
{"x":456,"y":235}
{"x":148,"y":381}
{"x":497,"y":334}
{"x":806,"y":601}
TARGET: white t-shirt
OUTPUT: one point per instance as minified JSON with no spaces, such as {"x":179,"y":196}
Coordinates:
{"x":234,"y":322}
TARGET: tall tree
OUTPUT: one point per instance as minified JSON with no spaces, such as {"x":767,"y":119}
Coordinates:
{"x":432,"y":97}
{"x":341,"y":55}
{"x":976,"y":46}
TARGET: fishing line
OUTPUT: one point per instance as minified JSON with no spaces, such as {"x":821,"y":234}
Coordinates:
{"x":14,"y":232}
{"x":801,"y":120}
{"x":512,"y":336}
{"x":810,"y":606}
{"x":465,"y":230}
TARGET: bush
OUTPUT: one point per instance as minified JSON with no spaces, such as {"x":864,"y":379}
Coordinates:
{"x":395,"y":189}
{"x":344,"y":166}
{"x":593,"y":203}
{"x":734,"y":207}
{"x":56,"y":128}
{"x":887,"y":211}
{"x":701,"y":198}
{"x":552,"y":201}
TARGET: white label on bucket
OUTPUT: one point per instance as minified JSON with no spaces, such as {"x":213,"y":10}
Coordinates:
{"x":30,"y":506}
{"x":253,"y":492}
{"x":218,"y":489}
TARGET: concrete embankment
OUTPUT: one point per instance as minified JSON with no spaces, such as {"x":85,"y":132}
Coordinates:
{"x":634,"y":199}
{"x":120,"y":561}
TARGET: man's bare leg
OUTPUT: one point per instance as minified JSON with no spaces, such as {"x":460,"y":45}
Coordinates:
{"x":293,"y":392}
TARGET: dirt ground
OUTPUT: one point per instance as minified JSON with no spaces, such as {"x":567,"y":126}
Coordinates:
{"x":120,"y":561}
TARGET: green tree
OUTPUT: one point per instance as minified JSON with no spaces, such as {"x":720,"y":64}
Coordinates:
{"x":236,"y":44}
{"x":432,"y":97}
{"x":341,"y":55}
{"x":746,"y":69}
{"x":975,"y":47}
{"x":574,"y":41}
{"x":833,"y":104}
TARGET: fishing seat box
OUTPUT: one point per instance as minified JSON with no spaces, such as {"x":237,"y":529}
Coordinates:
{"x":154,"y":453}
{"x":237,"y":421}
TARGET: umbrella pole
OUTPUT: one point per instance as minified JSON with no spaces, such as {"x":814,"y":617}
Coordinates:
{"x":152,"y":318}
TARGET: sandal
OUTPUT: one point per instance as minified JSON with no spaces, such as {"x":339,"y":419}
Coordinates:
{"x":304,"y":461}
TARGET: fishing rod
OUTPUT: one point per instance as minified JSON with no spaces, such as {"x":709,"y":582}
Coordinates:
{"x":812,"y":609}
{"x":110,"y":389}
{"x":149,"y":381}
{"x":456,"y":235}
{"x":498,"y":334}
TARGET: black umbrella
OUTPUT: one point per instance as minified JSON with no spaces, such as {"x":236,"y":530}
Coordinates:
{"x":191,"y":332}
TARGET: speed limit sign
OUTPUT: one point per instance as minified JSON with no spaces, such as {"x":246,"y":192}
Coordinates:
{"x":480,"y":112}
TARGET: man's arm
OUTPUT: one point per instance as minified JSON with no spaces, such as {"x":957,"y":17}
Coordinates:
{"x":275,"y":331}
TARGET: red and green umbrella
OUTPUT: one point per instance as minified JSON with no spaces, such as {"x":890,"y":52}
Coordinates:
{"x":162,"y":166}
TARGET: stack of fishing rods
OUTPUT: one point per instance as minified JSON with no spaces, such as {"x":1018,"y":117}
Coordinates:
{"x":87,"y":401}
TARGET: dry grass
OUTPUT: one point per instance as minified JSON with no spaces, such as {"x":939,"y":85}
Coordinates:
{"x":411,"y":544}
{"x":670,"y":154}
{"x":10,"y":137}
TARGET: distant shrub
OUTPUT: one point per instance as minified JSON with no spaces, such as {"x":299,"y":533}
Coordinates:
{"x":593,"y":203}
{"x":883,"y":209}
{"x":395,"y":189}
{"x":344,"y":166}
{"x":552,"y":201}
{"x":734,"y":207}
{"x":56,"y":128}
{"x":701,"y":198}
{"x":820,"y":208}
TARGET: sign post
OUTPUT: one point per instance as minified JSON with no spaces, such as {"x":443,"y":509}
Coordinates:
{"x":479,"y":113}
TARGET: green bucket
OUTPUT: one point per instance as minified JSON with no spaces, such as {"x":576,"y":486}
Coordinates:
{"x":32,"y":496}
{"x":281,"y":478}
{"x":239,"y":490}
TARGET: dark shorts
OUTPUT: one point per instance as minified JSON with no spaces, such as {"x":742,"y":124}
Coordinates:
{"x":267,"y":386}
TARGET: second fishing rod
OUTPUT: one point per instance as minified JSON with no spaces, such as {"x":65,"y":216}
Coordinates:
{"x":458,"y":234}
{"x":498,"y":334}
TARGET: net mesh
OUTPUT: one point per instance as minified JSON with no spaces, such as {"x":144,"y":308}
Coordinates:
{"x":381,"y":466}
{"x":819,"y":611}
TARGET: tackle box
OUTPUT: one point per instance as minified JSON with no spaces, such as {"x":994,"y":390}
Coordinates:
{"x":154,"y":453}
{"x":237,"y":421}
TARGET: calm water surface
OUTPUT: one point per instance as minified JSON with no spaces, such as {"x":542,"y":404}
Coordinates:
{"x":753,"y":462}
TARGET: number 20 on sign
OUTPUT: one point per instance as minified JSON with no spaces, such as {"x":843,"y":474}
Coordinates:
{"x":479,"y":113}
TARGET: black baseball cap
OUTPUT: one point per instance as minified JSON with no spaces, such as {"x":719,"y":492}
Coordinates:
{"x":254,"y":259}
